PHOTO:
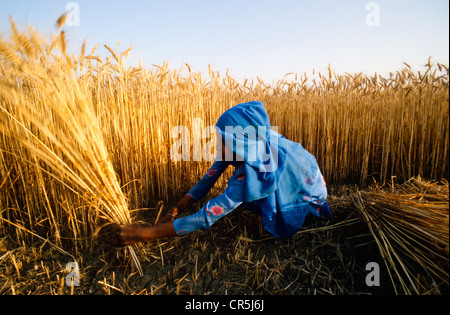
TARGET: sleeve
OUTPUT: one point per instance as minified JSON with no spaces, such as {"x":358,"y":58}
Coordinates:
{"x":205,"y":184}
{"x":216,"y":208}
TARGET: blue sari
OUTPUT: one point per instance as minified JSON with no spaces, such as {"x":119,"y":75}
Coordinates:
{"x":276,"y":176}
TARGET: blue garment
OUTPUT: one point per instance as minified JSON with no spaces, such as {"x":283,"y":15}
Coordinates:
{"x":275,"y":175}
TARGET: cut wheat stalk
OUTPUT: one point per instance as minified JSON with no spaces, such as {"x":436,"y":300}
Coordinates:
{"x":56,"y":125}
{"x":412,"y":236}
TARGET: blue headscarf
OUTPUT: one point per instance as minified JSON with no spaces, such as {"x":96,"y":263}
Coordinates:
{"x":283,"y":179}
{"x":246,"y":128}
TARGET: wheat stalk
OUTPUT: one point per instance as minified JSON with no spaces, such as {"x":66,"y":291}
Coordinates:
{"x":410,"y":223}
{"x":85,"y":138}
{"x":55,"y":123}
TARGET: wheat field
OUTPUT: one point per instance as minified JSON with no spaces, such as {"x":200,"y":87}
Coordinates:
{"x":85,"y":141}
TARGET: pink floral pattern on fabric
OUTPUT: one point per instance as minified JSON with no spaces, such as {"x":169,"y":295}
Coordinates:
{"x":324,"y":184}
{"x":189,"y":195}
{"x":241,"y":177}
{"x":211,"y":172}
{"x":216,"y":210}
{"x":309,"y":181}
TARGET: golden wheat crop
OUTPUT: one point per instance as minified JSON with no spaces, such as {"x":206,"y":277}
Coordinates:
{"x":85,"y":139}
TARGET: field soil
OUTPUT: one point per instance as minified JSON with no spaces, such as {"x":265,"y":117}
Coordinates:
{"x":235,"y":256}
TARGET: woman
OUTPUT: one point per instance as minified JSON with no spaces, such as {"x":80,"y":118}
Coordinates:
{"x":276,"y":177}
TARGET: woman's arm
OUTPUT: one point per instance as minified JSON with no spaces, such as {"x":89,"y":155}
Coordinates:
{"x":172,"y":213}
{"x":216,"y":208}
{"x":200,"y":189}
{"x":207,"y":216}
{"x":205,"y":184}
{"x":134,"y":233}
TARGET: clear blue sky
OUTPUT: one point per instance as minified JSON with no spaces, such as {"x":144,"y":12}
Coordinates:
{"x":265,"y":38}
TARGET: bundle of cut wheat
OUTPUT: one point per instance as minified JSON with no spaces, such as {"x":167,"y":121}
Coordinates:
{"x":409,"y":223}
{"x":53,"y":141}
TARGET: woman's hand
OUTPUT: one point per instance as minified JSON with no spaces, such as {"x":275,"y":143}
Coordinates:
{"x":169,"y":216}
{"x":172,"y":214}
{"x":124,"y":235}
